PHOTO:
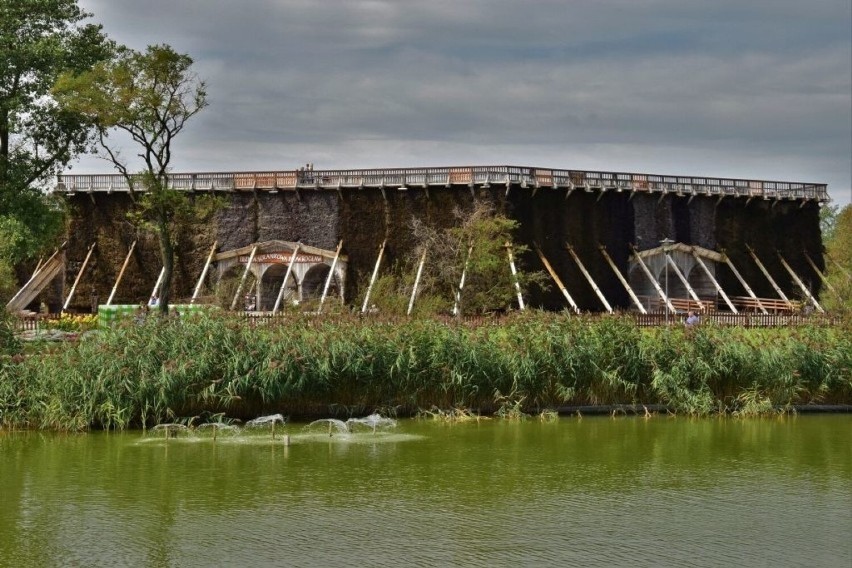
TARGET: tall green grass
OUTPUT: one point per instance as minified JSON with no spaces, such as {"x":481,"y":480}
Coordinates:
{"x":304,"y":366}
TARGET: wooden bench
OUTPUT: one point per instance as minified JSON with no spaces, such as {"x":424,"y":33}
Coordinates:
{"x":689,"y":305}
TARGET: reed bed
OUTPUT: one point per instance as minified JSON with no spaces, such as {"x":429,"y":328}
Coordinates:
{"x":213,"y":365}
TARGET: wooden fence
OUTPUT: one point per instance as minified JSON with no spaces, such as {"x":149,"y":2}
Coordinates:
{"x":37,"y":322}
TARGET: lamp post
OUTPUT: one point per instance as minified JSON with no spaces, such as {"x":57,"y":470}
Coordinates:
{"x":666,"y":243}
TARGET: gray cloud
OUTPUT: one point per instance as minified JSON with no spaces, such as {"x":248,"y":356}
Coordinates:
{"x":759,"y":89}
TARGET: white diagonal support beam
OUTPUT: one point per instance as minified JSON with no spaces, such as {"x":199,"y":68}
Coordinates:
{"x":653,"y":280}
{"x":286,"y":277}
{"x":820,"y":273}
{"x":769,"y":277}
{"x":556,"y":279}
{"x":801,"y":284}
{"x":121,"y":273}
{"x":201,"y":278}
{"x":517,"y":284}
{"x":715,"y":283}
{"x":683,"y":279}
{"x":79,"y":276}
{"x":589,"y":278}
{"x":243,"y":278}
{"x":330,"y":276}
{"x":417,"y":281}
{"x":623,"y":281}
{"x":373,"y":277}
{"x":745,"y":285}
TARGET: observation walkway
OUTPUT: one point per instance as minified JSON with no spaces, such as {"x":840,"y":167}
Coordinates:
{"x":468,"y":176}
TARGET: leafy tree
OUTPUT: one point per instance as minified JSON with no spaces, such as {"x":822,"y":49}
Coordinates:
{"x":148,"y":97}
{"x":828,"y":221}
{"x":478,"y":246}
{"x":39,"y":40}
{"x":837,"y":296}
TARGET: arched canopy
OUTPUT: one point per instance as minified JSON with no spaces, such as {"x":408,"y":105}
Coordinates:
{"x":270,"y":263}
{"x":683,"y":256}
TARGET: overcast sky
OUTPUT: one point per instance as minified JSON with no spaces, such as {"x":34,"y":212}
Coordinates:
{"x":730,"y":88}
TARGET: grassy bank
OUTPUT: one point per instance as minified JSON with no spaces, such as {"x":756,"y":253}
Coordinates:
{"x":207,"y":366}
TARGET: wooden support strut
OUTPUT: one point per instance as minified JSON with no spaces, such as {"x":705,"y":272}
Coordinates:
{"x":517,"y":284}
{"x":623,"y":280}
{"x":457,"y":304}
{"x":243,"y":279}
{"x":79,"y":275}
{"x":286,"y":277}
{"x":715,"y":283}
{"x":653,"y":281}
{"x":819,"y":273}
{"x":589,"y":278}
{"x":330,"y":276}
{"x":683,"y":279}
{"x":203,"y":273}
{"x":745,"y":285}
{"x":38,"y":266}
{"x":37,"y":282}
{"x":801,"y":284}
{"x":157,"y":284}
{"x":121,"y":273}
{"x":416,"y":281}
{"x":769,"y":277}
{"x":556,"y":279}
{"x":373,"y":277}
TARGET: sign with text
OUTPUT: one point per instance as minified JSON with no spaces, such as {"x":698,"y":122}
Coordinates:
{"x":281,"y":258}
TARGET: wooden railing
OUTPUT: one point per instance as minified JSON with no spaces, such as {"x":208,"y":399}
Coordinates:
{"x":32,"y":322}
{"x":771,"y":305}
{"x":481,"y":176}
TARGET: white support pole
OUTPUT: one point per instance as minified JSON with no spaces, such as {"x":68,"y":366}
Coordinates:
{"x":79,"y":275}
{"x":373,"y":278}
{"x":556,"y":279}
{"x":769,"y":277}
{"x":38,"y":266}
{"x":588,"y":276}
{"x":623,"y":281}
{"x":819,"y":273}
{"x":203,"y":273}
{"x":120,"y":273}
{"x":801,"y":284}
{"x":517,"y":284}
{"x":683,"y":279}
{"x":157,"y":284}
{"x":243,"y":279}
{"x":745,"y":284}
{"x":416,"y":281}
{"x":330,"y":276}
{"x":286,"y":277}
{"x":715,"y":283}
{"x":457,"y":304}
{"x":654,"y":282}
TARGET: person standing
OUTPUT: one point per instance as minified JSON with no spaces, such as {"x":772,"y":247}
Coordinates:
{"x":692,"y":319}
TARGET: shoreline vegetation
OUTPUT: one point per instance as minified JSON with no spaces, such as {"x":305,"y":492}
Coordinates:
{"x":215,"y":367}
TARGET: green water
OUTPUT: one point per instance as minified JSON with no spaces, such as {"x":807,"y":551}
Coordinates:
{"x":596,"y":491}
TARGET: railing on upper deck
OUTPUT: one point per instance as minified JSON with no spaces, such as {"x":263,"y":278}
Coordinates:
{"x":403,"y":178}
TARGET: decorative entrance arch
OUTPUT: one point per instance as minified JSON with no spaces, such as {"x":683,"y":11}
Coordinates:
{"x":310,"y":269}
{"x":686,"y":259}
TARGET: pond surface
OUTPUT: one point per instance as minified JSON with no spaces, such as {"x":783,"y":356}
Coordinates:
{"x":591,"y":491}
